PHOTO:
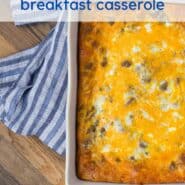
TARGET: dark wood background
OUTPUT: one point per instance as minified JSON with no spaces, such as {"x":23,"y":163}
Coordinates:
{"x":25,"y":160}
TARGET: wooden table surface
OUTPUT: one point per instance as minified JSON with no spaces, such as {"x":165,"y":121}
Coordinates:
{"x":25,"y":160}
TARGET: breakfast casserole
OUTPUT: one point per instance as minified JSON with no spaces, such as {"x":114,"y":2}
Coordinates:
{"x":131,"y":102}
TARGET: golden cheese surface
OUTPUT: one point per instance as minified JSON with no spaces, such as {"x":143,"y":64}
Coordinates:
{"x":131,"y":102}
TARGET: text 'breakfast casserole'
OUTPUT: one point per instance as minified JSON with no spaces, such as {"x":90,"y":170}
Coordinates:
{"x":131,"y":102}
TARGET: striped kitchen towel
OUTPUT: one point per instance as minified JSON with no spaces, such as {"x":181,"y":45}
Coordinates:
{"x":33,"y":88}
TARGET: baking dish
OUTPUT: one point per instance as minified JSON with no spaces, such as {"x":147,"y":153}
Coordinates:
{"x":71,"y":177}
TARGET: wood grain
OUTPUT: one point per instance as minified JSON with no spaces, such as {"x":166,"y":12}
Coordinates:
{"x":25,"y":160}
{"x":9,"y":179}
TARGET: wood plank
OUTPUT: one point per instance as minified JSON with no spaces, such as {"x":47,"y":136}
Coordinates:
{"x":9,"y":180}
{"x":41,"y":157}
{"x":22,"y":37}
{"x":18,"y":166}
{"x":6,"y":47}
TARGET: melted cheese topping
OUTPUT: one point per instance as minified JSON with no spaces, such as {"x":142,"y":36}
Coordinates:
{"x":131,"y":102}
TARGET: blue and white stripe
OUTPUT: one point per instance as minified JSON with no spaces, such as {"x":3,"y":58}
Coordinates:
{"x":33,"y":90}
